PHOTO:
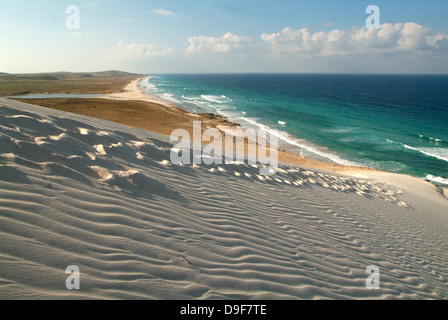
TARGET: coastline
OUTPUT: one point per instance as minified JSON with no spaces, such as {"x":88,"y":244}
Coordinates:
{"x":133,"y":92}
{"x":159,"y":116}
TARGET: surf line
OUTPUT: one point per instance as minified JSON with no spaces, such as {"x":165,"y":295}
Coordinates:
{"x":258,"y":141}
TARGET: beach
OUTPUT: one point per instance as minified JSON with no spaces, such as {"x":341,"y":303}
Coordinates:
{"x":135,"y":108}
{"x":103,"y":194}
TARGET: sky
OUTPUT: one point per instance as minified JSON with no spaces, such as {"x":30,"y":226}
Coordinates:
{"x":220,"y":36}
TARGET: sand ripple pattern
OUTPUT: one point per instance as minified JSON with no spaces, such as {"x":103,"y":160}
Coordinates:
{"x":105,"y":197}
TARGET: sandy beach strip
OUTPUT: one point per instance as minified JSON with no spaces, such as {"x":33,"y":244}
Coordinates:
{"x":133,"y":92}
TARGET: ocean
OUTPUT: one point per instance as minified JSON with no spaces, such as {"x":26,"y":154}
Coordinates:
{"x":394,"y":123}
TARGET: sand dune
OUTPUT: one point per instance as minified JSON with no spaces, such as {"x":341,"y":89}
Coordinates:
{"x":105,"y":197}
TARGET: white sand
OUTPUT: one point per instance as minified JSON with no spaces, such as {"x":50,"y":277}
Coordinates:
{"x":102,"y":196}
{"x":133,"y":92}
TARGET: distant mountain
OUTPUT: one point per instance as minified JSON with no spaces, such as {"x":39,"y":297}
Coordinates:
{"x":113,"y":73}
{"x":102,"y":74}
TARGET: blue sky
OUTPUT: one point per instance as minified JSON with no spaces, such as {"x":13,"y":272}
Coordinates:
{"x":191,"y":36}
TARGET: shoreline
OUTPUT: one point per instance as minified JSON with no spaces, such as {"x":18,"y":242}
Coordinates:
{"x":133,"y":92}
{"x":164,"y":117}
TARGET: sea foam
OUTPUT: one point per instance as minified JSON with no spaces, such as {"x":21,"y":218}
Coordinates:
{"x":436,"y":179}
{"x":439,"y":153}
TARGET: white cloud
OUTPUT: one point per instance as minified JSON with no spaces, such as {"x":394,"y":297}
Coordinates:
{"x":166,"y":13}
{"x":399,"y":37}
{"x":81,"y":34}
{"x":225,"y":44}
{"x":140,"y":51}
{"x":395,"y":48}
{"x":439,"y":41}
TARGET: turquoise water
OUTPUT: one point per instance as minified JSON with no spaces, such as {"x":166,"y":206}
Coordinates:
{"x":391,"y":123}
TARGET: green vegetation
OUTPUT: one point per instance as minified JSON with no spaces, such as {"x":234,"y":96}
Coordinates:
{"x":64,"y":82}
